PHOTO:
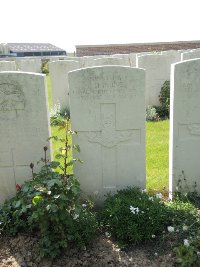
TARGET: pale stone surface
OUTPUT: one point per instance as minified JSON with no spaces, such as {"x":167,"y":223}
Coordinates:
{"x":174,"y":55}
{"x":133,"y":57}
{"x":7,"y":66}
{"x":58,"y":71}
{"x":157,"y":72}
{"x":29,"y":65}
{"x":185,"y":124}
{"x":191,"y":54}
{"x":107,"y":106}
{"x":125,"y":57}
{"x":105,"y":61}
{"x":24,"y":128}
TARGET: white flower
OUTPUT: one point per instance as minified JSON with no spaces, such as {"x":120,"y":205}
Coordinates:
{"x":170,"y":229}
{"x":156,"y":254}
{"x":151,"y":198}
{"x":134,"y":210}
{"x":186,"y":242}
{"x":159,"y":195}
{"x":76,"y":216}
{"x":185,"y":227}
{"x":84,"y":205}
{"x":143,"y":190}
{"x":153,"y":236}
{"x":107,"y":234}
{"x":198,"y":252}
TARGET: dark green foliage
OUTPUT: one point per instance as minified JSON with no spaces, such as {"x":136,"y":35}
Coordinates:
{"x":45,"y":68}
{"x":132,"y":216}
{"x":129,"y":227}
{"x":164,"y":98}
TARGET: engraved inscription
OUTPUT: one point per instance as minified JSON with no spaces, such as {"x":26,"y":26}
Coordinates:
{"x":104,"y":86}
{"x":11,"y":97}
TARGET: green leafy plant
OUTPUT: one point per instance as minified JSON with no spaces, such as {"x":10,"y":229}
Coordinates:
{"x":188,"y":253}
{"x":151,"y":114}
{"x":164,"y":99}
{"x":132,"y":216}
{"x":51,"y":204}
{"x":56,"y":116}
{"x":45,"y":68}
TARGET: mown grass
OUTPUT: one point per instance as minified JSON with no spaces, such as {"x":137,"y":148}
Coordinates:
{"x":157,"y":155}
{"x":157,"y":142}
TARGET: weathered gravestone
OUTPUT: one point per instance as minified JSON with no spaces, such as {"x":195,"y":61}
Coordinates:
{"x":91,"y":62}
{"x":29,"y":65}
{"x":185,"y":124}
{"x":24,"y":128}
{"x":108,"y":111}
{"x":174,"y":55}
{"x":58,"y":71}
{"x":190,"y":54}
{"x":157,"y":69}
{"x":7,"y":66}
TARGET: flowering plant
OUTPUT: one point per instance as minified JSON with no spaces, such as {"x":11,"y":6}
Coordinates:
{"x":51,"y":204}
{"x":132,"y":215}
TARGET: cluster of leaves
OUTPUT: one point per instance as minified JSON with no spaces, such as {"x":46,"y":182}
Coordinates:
{"x":188,"y":254}
{"x":151,"y":114}
{"x":186,"y":213}
{"x":51,"y":204}
{"x":57,"y":116}
{"x":129,"y":227}
{"x":132,"y":216}
{"x":45,"y":68}
{"x":164,"y":99}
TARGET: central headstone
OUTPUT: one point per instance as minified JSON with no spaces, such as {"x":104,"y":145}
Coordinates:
{"x":107,"y":107}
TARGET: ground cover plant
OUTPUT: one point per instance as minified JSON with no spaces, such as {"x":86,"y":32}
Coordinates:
{"x":132,"y":216}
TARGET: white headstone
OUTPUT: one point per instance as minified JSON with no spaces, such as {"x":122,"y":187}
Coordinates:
{"x":125,"y":57}
{"x":29,"y":65}
{"x":190,"y":55}
{"x":106,"y":61}
{"x":58,"y":71}
{"x":174,"y":55}
{"x":157,"y":72}
{"x":107,"y":108}
{"x":185,"y":124}
{"x":7,"y":66}
{"x":24,"y":128}
{"x":133,"y":57}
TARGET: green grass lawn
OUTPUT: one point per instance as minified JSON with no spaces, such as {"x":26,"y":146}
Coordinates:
{"x":157,"y":153}
{"x":157,"y":142}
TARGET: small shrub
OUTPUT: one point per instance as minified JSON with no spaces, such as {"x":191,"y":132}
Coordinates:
{"x":151,"y":114}
{"x":45,"y":68}
{"x":56,"y":116}
{"x":132,"y":216}
{"x":51,"y":204}
{"x":164,"y":99}
{"x":188,"y":253}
